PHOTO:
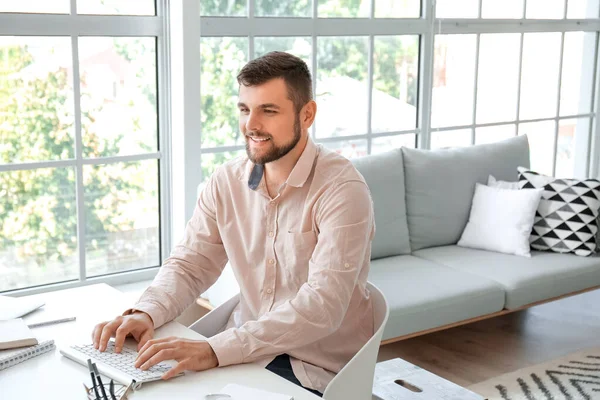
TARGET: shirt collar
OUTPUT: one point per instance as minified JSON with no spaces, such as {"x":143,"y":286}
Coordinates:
{"x":303,"y":167}
{"x":299,"y":174}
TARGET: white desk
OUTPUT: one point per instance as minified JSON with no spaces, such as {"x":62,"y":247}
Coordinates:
{"x":52,"y":376}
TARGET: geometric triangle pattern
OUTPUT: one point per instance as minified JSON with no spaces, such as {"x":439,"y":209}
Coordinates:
{"x":568,"y":216}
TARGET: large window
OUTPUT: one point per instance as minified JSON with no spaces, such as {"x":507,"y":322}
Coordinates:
{"x":392,"y":73}
{"x":80,"y":167}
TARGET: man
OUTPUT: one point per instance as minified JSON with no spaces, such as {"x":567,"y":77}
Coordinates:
{"x":295,"y":221}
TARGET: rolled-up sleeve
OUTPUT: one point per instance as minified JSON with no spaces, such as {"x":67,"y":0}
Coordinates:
{"x":344,"y":219}
{"x":193,"y":266}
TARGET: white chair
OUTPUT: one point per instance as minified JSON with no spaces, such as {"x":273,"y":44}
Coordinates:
{"x":355,"y":380}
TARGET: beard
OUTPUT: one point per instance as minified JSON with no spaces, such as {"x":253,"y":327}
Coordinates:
{"x":275,"y":152}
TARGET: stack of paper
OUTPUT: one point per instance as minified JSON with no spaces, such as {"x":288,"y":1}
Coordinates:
{"x":239,"y":392}
{"x":15,"y":333}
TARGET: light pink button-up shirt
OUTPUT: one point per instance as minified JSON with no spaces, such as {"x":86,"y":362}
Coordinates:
{"x":301,"y":261}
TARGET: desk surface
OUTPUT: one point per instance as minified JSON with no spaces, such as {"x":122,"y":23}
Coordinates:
{"x":52,"y":376}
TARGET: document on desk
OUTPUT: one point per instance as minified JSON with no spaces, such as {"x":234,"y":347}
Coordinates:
{"x":15,"y":307}
{"x":239,"y":392}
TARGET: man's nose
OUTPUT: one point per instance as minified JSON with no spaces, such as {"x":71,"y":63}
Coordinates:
{"x":253,"y":122}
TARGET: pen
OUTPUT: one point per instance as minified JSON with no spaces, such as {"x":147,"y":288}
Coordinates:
{"x":100,"y":382}
{"x":93,"y":379}
{"x":51,"y":322}
{"x":112,"y":390}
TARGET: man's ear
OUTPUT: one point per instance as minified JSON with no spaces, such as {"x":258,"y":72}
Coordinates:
{"x":308,"y":114}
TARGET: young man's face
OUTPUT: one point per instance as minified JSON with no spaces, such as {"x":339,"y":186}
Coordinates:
{"x":268,"y":121}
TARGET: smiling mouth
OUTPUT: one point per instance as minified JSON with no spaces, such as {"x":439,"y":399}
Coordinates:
{"x":258,"y":140}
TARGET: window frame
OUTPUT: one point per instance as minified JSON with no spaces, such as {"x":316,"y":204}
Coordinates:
{"x":75,"y":26}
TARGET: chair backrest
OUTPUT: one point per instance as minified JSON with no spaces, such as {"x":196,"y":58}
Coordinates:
{"x":215,"y":320}
{"x":355,"y":380}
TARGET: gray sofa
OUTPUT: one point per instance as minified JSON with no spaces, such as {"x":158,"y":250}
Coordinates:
{"x":422,"y":202}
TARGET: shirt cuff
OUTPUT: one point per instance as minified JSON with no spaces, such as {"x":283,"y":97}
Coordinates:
{"x":228,"y":347}
{"x":152,"y":310}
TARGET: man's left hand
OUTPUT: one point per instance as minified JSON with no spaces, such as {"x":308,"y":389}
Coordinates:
{"x":193,"y":355}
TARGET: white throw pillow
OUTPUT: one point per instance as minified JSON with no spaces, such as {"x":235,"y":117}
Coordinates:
{"x":501,"y":220}
{"x":492,"y":182}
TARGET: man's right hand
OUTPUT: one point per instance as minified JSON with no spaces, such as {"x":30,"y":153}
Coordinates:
{"x":139,"y":325}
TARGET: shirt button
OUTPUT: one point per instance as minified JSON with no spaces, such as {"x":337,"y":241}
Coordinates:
{"x":271,"y":234}
{"x":269,"y":291}
{"x":347,"y":265}
{"x":271,"y":261}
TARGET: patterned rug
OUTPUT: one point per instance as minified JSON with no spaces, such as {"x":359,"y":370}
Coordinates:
{"x":573,"y":377}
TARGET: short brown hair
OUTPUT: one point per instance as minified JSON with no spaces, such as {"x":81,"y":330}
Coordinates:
{"x":278,"y":64}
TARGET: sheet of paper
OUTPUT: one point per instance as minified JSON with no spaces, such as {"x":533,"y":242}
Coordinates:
{"x":239,"y":392}
{"x":15,"y":307}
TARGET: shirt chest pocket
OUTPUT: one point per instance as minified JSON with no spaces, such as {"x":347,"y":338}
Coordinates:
{"x":298,"y":248}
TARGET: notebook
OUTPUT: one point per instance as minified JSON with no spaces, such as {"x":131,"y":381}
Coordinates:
{"x":15,"y":333}
{"x":239,"y":392}
{"x":15,"y":307}
{"x":8,"y":358}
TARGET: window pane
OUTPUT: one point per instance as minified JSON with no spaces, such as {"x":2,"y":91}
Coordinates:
{"x":38,"y":227}
{"x":348,"y":148}
{"x":457,"y":9}
{"x":210,"y":161}
{"x":344,"y":9}
{"x":221,"y":61}
{"x":116,"y":7}
{"x":395,"y":83}
{"x":502,"y":9}
{"x":342,"y":85}
{"x":298,"y":46}
{"x":541,"y":144}
{"x":578,"y":73}
{"x":122,"y":219}
{"x":582,"y":8}
{"x":36,"y":99}
{"x":397,"y":8}
{"x":447,"y":139}
{"x":573,"y":142}
{"x":278,"y":8}
{"x":453,"y":80}
{"x":230,"y":8}
{"x":491,"y":134}
{"x":545,"y":9}
{"x":36,"y":6}
{"x":118,"y":96}
{"x":539,"y":79}
{"x":383,"y":144}
{"x":498,"y":77}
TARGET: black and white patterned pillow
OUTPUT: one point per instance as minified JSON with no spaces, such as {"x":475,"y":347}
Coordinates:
{"x":566,"y":220}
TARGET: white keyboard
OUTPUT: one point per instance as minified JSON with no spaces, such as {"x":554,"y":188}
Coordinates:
{"x":117,"y":366}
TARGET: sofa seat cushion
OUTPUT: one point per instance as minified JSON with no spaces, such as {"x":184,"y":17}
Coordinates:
{"x":526,"y":280}
{"x":424,"y":295}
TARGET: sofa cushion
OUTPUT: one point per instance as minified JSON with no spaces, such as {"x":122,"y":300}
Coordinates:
{"x":566,"y":219}
{"x":525,"y":280}
{"x":384,"y":174}
{"x":440,"y":186}
{"x":424,"y":295}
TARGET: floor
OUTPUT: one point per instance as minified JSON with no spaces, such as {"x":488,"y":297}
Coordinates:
{"x":485,"y":349}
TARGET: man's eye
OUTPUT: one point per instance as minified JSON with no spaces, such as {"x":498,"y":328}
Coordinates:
{"x":270,"y":111}
{"x":243,"y":110}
